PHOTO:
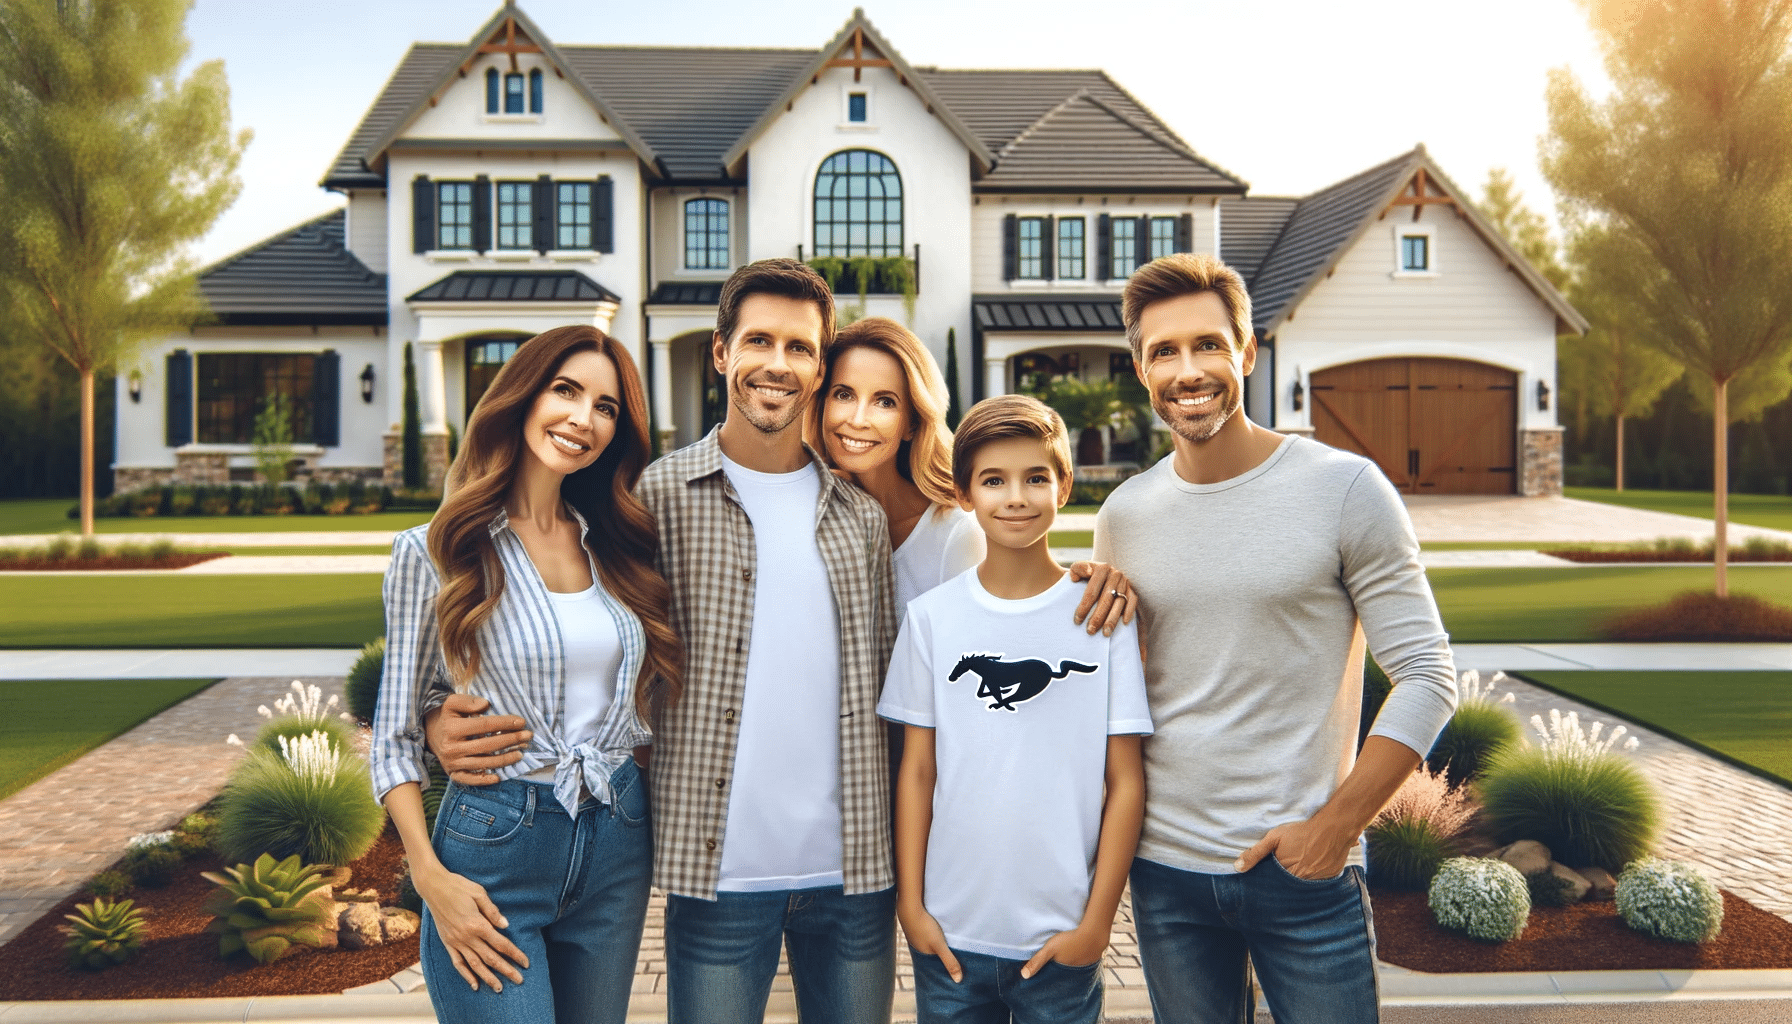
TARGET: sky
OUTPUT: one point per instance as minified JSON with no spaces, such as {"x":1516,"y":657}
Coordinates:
{"x":1290,"y":95}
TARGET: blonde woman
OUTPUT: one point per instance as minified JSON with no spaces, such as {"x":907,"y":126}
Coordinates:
{"x":534,"y":588}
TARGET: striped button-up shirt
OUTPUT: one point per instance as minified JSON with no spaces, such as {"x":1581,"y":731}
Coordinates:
{"x":708,"y":555}
{"x":522,"y":671}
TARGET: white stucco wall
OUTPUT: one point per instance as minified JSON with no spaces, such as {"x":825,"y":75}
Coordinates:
{"x":366,"y":230}
{"x":459,"y":112}
{"x":1471,"y":307}
{"x":990,"y":209}
{"x":667,"y":213}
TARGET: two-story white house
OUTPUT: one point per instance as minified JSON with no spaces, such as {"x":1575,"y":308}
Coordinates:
{"x":508,"y":184}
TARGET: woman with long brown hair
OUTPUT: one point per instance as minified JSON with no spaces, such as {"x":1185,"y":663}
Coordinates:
{"x":534,"y":587}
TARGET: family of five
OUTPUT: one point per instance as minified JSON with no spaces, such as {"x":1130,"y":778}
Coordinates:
{"x":819,"y":673}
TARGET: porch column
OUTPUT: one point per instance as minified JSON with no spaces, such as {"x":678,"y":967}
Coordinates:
{"x":995,"y":377}
{"x":432,"y":403}
{"x":662,"y":394}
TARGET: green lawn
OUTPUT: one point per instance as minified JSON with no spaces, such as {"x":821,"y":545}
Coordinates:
{"x":1073,"y":538}
{"x":1769,"y":510}
{"x":48,"y":723}
{"x":1539,"y":605}
{"x":1743,"y":715}
{"x":50,"y":515}
{"x":302,"y":549}
{"x":190,"y":611}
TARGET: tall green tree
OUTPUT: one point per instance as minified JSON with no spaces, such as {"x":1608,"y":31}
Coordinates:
{"x":1689,"y":161}
{"x":110,"y":164}
{"x":1524,"y":227}
{"x":1616,"y":369}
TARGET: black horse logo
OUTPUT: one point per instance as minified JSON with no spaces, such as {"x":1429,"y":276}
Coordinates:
{"x":1007,"y":683}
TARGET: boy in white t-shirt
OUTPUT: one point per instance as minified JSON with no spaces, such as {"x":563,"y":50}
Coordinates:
{"x":1021,"y":790}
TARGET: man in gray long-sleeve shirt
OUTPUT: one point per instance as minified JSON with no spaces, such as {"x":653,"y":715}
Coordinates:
{"x":1263,"y":562}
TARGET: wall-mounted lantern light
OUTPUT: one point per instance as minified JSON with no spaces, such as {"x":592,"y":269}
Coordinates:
{"x":1300,"y":395}
{"x":367,"y":384}
{"x":1542,"y":397}
{"x":135,"y":384}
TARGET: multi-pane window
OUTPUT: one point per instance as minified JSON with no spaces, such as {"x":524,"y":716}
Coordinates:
{"x":1031,"y":248}
{"x":454,"y":215}
{"x":235,"y":386}
{"x":1415,"y":252}
{"x":535,"y":86}
{"x":491,"y":90}
{"x":1125,"y":250}
{"x":858,"y":205}
{"x":855,"y":106}
{"x":1163,"y":236}
{"x":513,"y":93}
{"x":516,"y":215}
{"x":485,"y":357}
{"x":706,"y":234}
{"x":1070,"y":247}
{"x":572,"y":215}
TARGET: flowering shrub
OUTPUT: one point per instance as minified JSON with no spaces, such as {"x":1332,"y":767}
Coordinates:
{"x":1484,"y":898}
{"x":1670,"y":900}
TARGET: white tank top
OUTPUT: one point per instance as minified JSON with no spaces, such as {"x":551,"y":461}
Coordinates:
{"x":592,"y":655}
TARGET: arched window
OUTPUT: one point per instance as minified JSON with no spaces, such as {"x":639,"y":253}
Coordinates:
{"x":491,"y":90}
{"x":535,"y":91}
{"x":858,"y":205}
{"x":706,"y":234}
{"x":513,"y":93}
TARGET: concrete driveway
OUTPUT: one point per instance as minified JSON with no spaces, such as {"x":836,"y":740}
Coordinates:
{"x":1470,"y":517}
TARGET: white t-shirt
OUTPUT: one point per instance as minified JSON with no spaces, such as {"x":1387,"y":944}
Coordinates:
{"x":1021,"y":701}
{"x":946,"y":542}
{"x":783,"y":828}
{"x":593,"y":658}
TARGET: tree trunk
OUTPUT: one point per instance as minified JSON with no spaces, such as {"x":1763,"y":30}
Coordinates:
{"x":1620,"y":479}
{"x":87,"y":452}
{"x":1720,"y":480}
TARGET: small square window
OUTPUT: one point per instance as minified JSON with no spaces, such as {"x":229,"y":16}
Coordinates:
{"x":1415,"y":253}
{"x":855,"y":107}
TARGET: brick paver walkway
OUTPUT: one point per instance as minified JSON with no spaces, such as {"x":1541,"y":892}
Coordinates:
{"x":55,"y":833}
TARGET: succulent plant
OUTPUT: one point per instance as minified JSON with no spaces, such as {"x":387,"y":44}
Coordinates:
{"x":1487,"y":899}
{"x":1671,"y":900}
{"x":103,"y":933}
{"x":268,"y":907}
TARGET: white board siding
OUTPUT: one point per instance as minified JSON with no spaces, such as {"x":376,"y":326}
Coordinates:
{"x":990,"y":209}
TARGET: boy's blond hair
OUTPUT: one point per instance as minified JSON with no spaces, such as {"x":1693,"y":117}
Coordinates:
{"x":1002,"y":418}
{"x":1183,"y":273}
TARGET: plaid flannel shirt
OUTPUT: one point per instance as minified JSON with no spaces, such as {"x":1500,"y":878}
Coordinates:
{"x":707,"y":553}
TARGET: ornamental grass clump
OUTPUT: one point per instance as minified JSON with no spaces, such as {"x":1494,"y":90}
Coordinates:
{"x":1479,"y":726}
{"x":362,"y":689}
{"x":1483,"y":898}
{"x":1670,"y":899}
{"x":103,"y":933}
{"x":300,"y":713}
{"x":312,"y":799}
{"x":1417,"y":831}
{"x":1574,"y":794}
{"x":268,"y":907}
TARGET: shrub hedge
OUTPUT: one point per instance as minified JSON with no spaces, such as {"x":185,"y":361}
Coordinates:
{"x":261,"y":499}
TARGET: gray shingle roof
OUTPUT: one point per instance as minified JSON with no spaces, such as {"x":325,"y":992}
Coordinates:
{"x":1248,"y":227}
{"x":514,"y":286}
{"x":410,"y":82}
{"x":686,"y":293}
{"x":305,"y":275}
{"x":1047,"y":312}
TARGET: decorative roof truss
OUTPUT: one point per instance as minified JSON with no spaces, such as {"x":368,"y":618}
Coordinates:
{"x":505,"y":39}
{"x":1417,"y":194}
{"x":858,"y":62}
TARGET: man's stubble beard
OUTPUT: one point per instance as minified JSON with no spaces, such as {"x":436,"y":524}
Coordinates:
{"x":743,"y":401}
{"x":1199,"y":428}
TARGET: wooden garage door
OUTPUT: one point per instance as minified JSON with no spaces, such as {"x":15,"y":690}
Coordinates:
{"x":1434,"y":426}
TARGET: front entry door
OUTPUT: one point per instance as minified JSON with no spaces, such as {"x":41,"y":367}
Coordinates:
{"x":1434,"y":426}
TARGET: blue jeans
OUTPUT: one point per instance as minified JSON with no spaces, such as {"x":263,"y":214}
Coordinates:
{"x":573,"y":889}
{"x":993,"y":992}
{"x":1312,"y":943}
{"x":722,"y":954}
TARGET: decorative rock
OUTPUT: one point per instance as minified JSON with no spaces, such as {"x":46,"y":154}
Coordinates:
{"x":339,"y":877}
{"x":359,"y":927}
{"x":368,"y":895}
{"x":1575,"y":885}
{"x":1601,"y":883}
{"x":397,"y":923}
{"x":1527,"y":855}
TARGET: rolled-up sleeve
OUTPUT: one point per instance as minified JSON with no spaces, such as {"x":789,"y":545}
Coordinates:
{"x":1399,"y":615}
{"x":413,"y":667}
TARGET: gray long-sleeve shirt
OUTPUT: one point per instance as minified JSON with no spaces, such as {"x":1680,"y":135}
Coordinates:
{"x":1252,"y":590}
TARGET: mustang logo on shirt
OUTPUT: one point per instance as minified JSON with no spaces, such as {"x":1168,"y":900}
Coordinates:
{"x":1007,"y":683}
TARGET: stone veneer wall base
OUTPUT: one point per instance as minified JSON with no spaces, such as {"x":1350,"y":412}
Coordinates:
{"x":1540,"y":465}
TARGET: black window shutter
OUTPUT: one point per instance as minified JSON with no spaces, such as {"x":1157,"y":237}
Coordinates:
{"x":1185,"y":233}
{"x":1141,"y":243}
{"x":180,"y":398}
{"x":326,"y":399}
{"x":423,"y":214}
{"x":603,"y":215}
{"x":1104,"y":247}
{"x":482,"y":213}
{"x":1010,"y":247}
{"x":543,"y":205}
{"x":1048,"y":248}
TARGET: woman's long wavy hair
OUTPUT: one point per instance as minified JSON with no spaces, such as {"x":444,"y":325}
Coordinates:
{"x":926,"y":459}
{"x":622,"y":536}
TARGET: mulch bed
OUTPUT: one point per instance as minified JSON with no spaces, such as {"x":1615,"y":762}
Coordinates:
{"x":109,"y":562}
{"x":179,"y":961}
{"x":1588,"y":936}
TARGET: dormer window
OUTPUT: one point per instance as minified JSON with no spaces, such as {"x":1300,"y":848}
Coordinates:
{"x":1415,"y":253}
{"x":856,"y":111}
{"x":513,"y":94}
{"x":491,"y":90}
{"x":1415,"y":250}
{"x":535,"y":85}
